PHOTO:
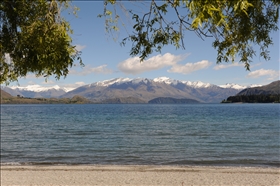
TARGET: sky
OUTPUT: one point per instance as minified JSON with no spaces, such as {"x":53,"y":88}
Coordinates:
{"x":104,"y":58}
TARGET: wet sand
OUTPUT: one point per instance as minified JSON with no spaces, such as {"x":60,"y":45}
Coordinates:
{"x":137,"y":175}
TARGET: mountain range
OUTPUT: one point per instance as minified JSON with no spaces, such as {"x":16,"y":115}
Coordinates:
{"x":35,"y":91}
{"x":139,"y":90}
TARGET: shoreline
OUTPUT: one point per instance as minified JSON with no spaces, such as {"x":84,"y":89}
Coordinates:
{"x":137,"y":175}
{"x":56,"y":164}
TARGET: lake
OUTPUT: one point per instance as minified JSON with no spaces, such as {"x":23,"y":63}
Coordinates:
{"x":141,"y":134}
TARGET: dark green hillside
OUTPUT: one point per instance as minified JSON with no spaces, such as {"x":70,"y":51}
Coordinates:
{"x":168,"y":100}
{"x":270,"y":89}
{"x":254,"y":99}
{"x":125,"y":100}
{"x":265,"y":94}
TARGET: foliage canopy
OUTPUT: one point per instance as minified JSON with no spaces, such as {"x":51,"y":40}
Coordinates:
{"x":235,"y":25}
{"x":34,"y":38}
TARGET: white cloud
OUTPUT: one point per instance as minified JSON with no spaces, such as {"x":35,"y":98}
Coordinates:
{"x":96,"y":70}
{"x":189,"y":67}
{"x":272,"y":74}
{"x":80,"y":47}
{"x":134,"y":66}
{"x":222,"y":66}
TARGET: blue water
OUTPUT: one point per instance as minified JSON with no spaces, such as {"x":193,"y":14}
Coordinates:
{"x":144,"y":134}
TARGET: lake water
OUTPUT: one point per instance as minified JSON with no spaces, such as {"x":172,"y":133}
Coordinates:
{"x":141,"y":134}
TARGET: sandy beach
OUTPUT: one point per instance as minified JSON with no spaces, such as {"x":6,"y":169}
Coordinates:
{"x":137,"y":175}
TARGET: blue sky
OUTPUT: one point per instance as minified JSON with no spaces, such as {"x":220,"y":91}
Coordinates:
{"x":104,"y":58}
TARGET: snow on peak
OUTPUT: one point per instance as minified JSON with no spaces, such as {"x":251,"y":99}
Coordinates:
{"x":68,"y":89}
{"x":161,"y":79}
{"x":36,"y":88}
{"x":238,"y":87}
{"x":197,"y":84}
{"x":166,"y":80}
{"x":118,"y":81}
{"x":109,"y":82}
{"x":232,"y":85}
{"x":139,"y":80}
{"x":169,"y":81}
{"x":255,"y":85}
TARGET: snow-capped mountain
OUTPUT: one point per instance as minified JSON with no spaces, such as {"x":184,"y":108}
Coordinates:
{"x":146,"y":89}
{"x":118,"y":81}
{"x":232,"y":85}
{"x":238,"y":87}
{"x":109,"y":82}
{"x":142,"y":89}
{"x":36,"y":91}
{"x":37,"y":88}
{"x":169,"y":81}
{"x":198,"y":84}
{"x":166,"y":80}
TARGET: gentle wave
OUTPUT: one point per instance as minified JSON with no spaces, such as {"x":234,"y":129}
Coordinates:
{"x":176,"y":163}
{"x":204,"y":134}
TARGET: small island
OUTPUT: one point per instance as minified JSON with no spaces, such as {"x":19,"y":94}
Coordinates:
{"x":169,"y":100}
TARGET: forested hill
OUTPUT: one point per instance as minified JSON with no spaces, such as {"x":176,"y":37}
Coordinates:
{"x":168,"y":100}
{"x":265,"y":94}
{"x":270,"y":89}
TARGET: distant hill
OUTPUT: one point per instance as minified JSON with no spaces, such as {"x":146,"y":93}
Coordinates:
{"x":5,"y":94}
{"x":8,"y":99}
{"x":270,"y":89}
{"x":35,"y":91}
{"x":121,"y":100}
{"x":264,"y":94}
{"x":168,"y":100}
